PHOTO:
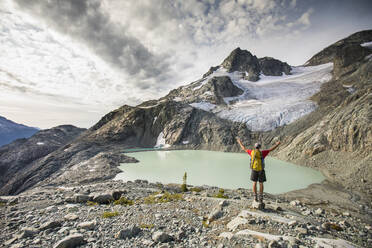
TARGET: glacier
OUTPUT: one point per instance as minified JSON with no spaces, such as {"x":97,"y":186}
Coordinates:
{"x":272,"y":101}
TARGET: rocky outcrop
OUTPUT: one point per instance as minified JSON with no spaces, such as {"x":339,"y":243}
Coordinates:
{"x":243,"y":61}
{"x":348,"y":59}
{"x":178,"y":122}
{"x":273,"y":67}
{"x":329,"y":53}
{"x":212,"y":90}
{"x":17,"y":157}
{"x":10,"y":131}
{"x":210,"y":71}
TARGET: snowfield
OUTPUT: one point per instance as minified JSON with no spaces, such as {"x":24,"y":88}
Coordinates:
{"x":272,"y":101}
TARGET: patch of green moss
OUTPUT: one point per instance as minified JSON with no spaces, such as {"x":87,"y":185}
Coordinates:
{"x":123,"y":201}
{"x":110,"y":214}
{"x":92,"y":203}
{"x":162,"y":198}
{"x":221,"y":194}
{"x":205,"y":223}
{"x":196,"y":189}
{"x":2,"y":204}
{"x":146,"y":226}
{"x":336,"y":227}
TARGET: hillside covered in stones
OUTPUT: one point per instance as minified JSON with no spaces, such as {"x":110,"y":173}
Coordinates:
{"x":142,"y":214}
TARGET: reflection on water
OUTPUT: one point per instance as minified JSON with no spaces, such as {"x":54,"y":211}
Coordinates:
{"x":225,"y":170}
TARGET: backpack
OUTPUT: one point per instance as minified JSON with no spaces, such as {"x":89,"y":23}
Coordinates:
{"x":260,"y":162}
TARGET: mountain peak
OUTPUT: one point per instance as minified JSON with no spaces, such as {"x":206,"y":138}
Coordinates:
{"x":244,"y":61}
{"x":10,"y":131}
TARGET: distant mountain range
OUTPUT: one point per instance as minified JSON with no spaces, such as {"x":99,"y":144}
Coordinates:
{"x":320,"y":111}
{"x":10,"y":131}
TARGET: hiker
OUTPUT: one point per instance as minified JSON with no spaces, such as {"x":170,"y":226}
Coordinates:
{"x":257,"y":166}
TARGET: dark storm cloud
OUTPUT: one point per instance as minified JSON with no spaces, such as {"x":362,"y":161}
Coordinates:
{"x":86,"y":21}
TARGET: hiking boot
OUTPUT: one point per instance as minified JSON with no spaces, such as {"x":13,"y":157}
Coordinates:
{"x":261,"y":198}
{"x":255,"y":198}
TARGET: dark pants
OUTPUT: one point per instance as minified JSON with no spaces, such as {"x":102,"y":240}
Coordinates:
{"x":258,"y":176}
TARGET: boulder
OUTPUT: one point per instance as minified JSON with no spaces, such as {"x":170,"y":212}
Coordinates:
{"x":71,"y":241}
{"x":79,"y":198}
{"x":258,"y":205}
{"x":71,"y":217}
{"x":226,"y":235}
{"x":89,"y":225}
{"x":128,"y":233}
{"x":215,"y":214}
{"x":50,"y":225}
{"x":27,"y":232}
{"x":161,"y":237}
{"x":236,"y":222}
{"x":116,"y":194}
{"x":104,"y":198}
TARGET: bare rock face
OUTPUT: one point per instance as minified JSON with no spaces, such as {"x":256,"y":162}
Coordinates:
{"x":273,"y":67}
{"x":348,"y":59}
{"x":140,"y":126}
{"x":17,"y":158}
{"x":243,"y":61}
{"x":329,"y":53}
{"x":211,"y":70}
{"x":213,"y":91}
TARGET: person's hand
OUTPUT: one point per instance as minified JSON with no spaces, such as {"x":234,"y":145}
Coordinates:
{"x":278,"y":143}
{"x":237,"y":139}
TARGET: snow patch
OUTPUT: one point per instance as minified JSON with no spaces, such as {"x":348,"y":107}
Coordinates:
{"x":201,"y":83}
{"x":160,"y":142}
{"x":349,"y":88}
{"x":177,"y":99}
{"x":368,"y":57}
{"x":185,"y":142}
{"x":367,"y":45}
{"x":154,"y":120}
{"x":206,"y":106}
{"x":40,"y":143}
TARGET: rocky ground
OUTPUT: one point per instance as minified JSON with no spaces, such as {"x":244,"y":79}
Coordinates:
{"x":156,"y":215}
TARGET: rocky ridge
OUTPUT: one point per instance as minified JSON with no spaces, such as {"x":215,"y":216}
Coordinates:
{"x":10,"y":131}
{"x":243,"y":61}
{"x":142,"y":214}
{"x":337,"y":137}
{"x":18,"y":158}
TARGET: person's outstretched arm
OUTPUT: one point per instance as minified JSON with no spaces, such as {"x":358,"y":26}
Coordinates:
{"x":274,"y":147}
{"x":241,"y":144}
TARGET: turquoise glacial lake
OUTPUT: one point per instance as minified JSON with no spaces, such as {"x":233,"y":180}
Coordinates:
{"x":224,"y":170}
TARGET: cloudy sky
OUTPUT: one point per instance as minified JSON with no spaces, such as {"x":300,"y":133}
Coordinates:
{"x":72,"y":61}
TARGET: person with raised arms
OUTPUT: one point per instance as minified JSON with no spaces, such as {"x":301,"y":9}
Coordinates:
{"x":257,"y":166}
